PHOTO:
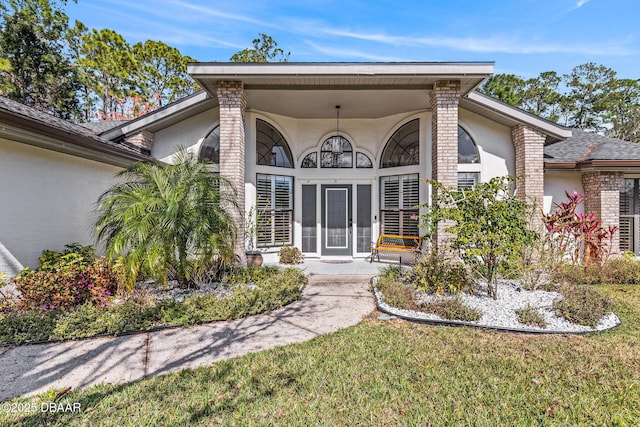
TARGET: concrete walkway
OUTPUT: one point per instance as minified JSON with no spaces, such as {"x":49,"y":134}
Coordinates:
{"x":329,"y":302}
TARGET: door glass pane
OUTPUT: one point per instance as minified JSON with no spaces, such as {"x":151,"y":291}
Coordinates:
{"x":336,"y":218}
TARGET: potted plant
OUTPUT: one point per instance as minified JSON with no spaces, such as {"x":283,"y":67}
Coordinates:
{"x":254,"y":257}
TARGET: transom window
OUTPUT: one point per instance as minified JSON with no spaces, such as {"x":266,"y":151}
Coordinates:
{"x":403,"y":148}
{"x":274,"y":199}
{"x":210,"y":149}
{"x":271,"y":147}
{"x":336,"y":152}
{"x":467,"y":148}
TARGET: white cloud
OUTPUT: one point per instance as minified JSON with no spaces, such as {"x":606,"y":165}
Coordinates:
{"x":581,"y":3}
{"x":495,"y":44}
{"x":349,"y":53}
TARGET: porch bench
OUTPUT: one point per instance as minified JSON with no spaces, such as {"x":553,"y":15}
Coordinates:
{"x":395,"y":243}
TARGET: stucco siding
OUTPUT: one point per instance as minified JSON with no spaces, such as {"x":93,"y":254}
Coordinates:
{"x":188,"y":133}
{"x":497,"y":153}
{"x":555,"y":185}
{"x":47,"y":200}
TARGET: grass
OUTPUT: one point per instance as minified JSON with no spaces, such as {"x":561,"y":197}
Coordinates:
{"x":530,"y":316}
{"x":392,"y":373}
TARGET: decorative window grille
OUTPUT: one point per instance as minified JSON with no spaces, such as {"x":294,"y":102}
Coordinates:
{"x":271,"y":147}
{"x":403,"y":148}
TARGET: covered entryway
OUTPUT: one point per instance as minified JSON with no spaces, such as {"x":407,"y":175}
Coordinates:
{"x":337,"y":220}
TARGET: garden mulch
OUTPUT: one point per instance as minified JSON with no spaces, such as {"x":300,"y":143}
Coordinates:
{"x":328,"y":303}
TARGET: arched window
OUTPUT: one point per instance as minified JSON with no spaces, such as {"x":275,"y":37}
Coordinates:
{"x":363,"y":161}
{"x":403,"y":148}
{"x":310,"y":161}
{"x":336,"y":152}
{"x":467,"y":148}
{"x":210,"y":149}
{"x":271,"y":147}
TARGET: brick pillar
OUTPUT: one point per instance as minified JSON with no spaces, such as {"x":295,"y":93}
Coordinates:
{"x":233,"y":103}
{"x":529,"y":145}
{"x":445,"y":98}
{"x":603,"y":199}
{"x":142,"y":140}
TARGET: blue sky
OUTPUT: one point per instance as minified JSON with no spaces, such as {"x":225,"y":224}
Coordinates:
{"x":523,"y":37}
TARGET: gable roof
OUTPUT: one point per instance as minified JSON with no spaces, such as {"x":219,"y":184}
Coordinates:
{"x":588,"y":150}
{"x":28,"y":125}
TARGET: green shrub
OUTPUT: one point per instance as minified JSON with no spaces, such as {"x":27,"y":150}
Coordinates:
{"x":436,"y":273}
{"x":452,"y":308}
{"x":397,"y":294}
{"x":68,"y":286}
{"x":615,"y":271}
{"x":530,"y":316}
{"x":267,"y":293}
{"x":74,"y":255}
{"x":32,"y":325}
{"x":391,"y":272}
{"x":582,"y":305}
{"x":290,"y":255}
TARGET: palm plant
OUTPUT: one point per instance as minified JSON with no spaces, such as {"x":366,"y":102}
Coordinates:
{"x":168,"y":220}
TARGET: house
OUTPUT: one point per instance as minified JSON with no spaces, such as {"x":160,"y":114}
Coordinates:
{"x":332,"y":154}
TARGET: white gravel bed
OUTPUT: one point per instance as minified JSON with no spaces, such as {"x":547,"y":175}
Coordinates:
{"x":500,"y":313}
{"x":173,"y":291}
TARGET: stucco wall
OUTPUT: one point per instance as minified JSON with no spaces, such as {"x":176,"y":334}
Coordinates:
{"x":188,"y":133}
{"x":556,"y":183}
{"x":47,"y":201}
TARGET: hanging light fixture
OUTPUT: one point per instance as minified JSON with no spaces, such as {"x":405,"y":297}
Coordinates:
{"x":336,"y":142}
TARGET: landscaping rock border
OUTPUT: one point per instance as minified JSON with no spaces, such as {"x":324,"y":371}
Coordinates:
{"x":500,"y":319}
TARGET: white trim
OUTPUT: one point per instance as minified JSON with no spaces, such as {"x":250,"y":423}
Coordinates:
{"x":545,"y":126}
{"x":345,"y":189}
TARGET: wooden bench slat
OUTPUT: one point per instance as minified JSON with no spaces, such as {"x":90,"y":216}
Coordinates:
{"x":396,"y":243}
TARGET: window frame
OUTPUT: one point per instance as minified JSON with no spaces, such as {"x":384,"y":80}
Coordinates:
{"x":273,"y":213}
{"x":404,"y":212}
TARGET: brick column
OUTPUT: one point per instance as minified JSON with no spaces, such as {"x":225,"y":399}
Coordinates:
{"x":142,"y":140}
{"x":529,"y":145}
{"x":603,"y":199}
{"x":445,"y":98}
{"x":233,"y":103}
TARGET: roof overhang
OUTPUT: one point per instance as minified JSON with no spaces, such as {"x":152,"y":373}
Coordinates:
{"x":165,"y":116}
{"x":33,"y":132}
{"x":510,"y":116}
{"x":321,"y":76}
{"x":595,"y":165}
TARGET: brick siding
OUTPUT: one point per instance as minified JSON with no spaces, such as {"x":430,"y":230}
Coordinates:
{"x":529,"y":147}
{"x":603,"y":199}
{"x":233,"y":103}
{"x":142,"y":140}
{"x":445,"y":98}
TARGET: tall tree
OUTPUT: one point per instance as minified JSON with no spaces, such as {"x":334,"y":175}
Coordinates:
{"x":34,"y":69}
{"x":265,"y":49}
{"x":623,"y":110}
{"x":507,"y":88}
{"x":110,"y":67}
{"x":162,"y":73}
{"x":589,"y":87}
{"x":541,"y":96}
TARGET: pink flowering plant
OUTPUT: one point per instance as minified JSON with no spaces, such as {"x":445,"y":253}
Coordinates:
{"x":574,"y":236}
{"x":66,"y":284}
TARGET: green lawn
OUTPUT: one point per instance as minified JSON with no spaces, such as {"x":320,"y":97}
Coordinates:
{"x":394,"y":373}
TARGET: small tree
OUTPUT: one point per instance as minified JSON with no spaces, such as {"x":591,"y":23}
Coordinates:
{"x":168,"y":220}
{"x":490,"y":225}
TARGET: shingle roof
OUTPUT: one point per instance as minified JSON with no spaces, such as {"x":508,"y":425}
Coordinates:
{"x":15,"y":108}
{"x":584,"y":146}
{"x":104,"y":125}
